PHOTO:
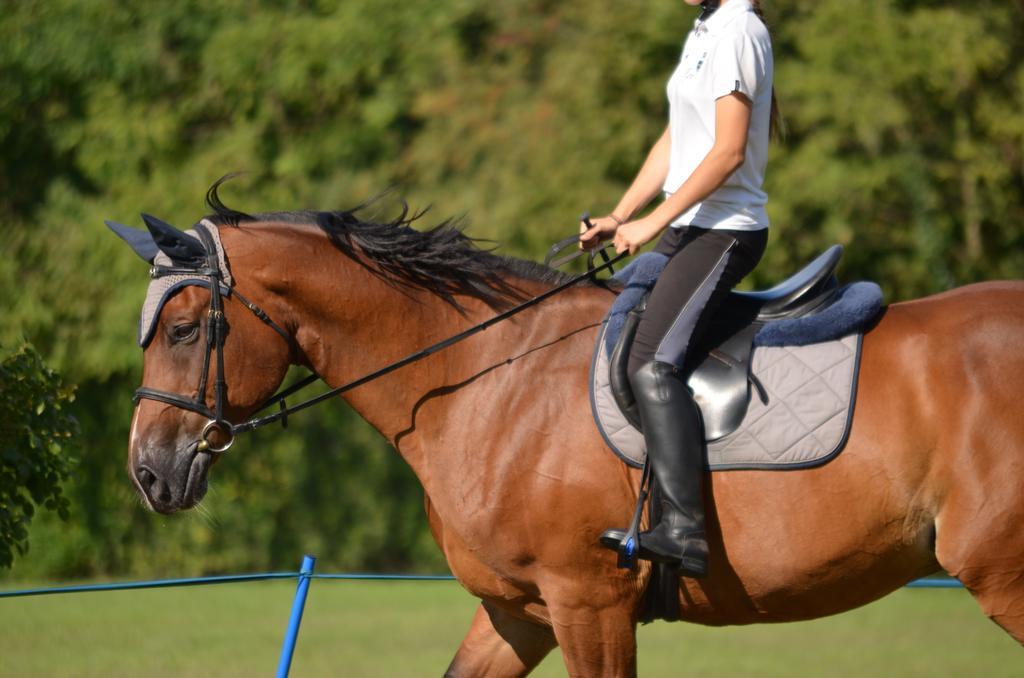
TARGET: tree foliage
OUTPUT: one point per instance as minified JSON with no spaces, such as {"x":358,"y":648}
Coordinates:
{"x":906,"y":145}
{"x":35,"y":435}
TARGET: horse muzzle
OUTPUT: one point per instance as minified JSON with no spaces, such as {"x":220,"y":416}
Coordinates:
{"x":174,"y":486}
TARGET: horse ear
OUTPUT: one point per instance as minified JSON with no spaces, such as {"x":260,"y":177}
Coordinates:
{"x":141,"y":242}
{"x":182,"y":249}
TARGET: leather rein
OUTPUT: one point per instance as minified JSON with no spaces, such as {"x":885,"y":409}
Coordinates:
{"x":216,"y":332}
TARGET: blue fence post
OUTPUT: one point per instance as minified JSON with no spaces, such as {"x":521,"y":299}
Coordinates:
{"x":285,"y":664}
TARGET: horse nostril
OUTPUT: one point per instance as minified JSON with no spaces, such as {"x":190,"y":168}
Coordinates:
{"x":145,"y":477}
{"x":156,"y":489}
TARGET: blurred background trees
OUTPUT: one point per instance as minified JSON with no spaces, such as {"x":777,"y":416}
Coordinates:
{"x":906,"y":144}
{"x":35,"y":443}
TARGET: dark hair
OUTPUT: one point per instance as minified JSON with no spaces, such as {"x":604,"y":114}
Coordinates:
{"x":441,"y":260}
{"x":777,"y":125}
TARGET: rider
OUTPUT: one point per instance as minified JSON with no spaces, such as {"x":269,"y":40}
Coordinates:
{"x":709,"y":163}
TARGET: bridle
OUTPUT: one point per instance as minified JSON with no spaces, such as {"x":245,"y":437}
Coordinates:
{"x":216,"y":333}
{"x":217,"y":327}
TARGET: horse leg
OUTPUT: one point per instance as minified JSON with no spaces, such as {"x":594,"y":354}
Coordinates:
{"x":1002,"y":599}
{"x":978,"y":535}
{"x":499,"y":645}
{"x":986,"y":553}
{"x":597,"y":641}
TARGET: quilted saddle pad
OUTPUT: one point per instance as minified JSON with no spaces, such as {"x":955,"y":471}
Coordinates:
{"x":804,"y":421}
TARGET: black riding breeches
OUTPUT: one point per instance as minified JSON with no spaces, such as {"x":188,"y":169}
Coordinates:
{"x":704,"y":265}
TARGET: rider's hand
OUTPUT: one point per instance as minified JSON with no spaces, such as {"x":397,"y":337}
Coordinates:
{"x":604,"y":229}
{"x":631,"y":236}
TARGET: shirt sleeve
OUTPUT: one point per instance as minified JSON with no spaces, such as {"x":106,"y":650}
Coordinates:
{"x":738,"y":66}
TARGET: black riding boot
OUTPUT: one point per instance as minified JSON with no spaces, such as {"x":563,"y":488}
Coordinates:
{"x":672,"y":430}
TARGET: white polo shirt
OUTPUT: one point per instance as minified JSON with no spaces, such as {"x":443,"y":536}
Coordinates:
{"x":730,"y":52}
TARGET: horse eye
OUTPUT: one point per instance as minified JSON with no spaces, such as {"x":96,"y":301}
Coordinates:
{"x":184,"y":332}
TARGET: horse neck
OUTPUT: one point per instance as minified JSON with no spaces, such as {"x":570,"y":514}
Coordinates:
{"x":350,"y":322}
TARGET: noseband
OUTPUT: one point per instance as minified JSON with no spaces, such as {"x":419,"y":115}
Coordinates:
{"x":216,"y":332}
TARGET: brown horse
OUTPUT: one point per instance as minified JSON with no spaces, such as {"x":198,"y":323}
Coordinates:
{"x":519,"y":484}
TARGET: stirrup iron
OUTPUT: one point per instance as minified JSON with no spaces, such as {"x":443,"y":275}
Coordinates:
{"x":629,"y":546}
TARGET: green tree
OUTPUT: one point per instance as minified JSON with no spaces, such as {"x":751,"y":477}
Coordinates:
{"x":35,"y":439}
{"x":907,"y":140}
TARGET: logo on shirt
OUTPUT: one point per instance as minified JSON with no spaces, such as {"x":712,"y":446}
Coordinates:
{"x":694,"y":69}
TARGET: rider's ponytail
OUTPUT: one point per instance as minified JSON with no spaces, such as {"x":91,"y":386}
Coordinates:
{"x":777,"y":127}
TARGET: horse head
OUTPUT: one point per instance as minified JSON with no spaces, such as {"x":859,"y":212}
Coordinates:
{"x":209,"y":360}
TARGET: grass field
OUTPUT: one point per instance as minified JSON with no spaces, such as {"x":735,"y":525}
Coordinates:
{"x":413,"y":629}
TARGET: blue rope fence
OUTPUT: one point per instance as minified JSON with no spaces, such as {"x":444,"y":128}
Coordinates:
{"x":935,"y":584}
{"x":304,"y":575}
{"x":226,"y":579}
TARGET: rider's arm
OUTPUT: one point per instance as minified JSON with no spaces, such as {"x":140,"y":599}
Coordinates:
{"x":732,"y":123}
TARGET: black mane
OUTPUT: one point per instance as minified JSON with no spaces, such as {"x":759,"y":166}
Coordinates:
{"x":442,"y":259}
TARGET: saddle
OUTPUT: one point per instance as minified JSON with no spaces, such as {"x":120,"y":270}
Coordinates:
{"x":718,"y":368}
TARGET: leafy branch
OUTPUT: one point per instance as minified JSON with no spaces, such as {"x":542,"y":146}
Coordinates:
{"x":36,"y":434}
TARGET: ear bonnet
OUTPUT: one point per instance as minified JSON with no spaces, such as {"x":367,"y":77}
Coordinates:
{"x":164,"y":245}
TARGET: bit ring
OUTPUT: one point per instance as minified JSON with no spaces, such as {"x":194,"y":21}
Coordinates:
{"x":204,"y":442}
